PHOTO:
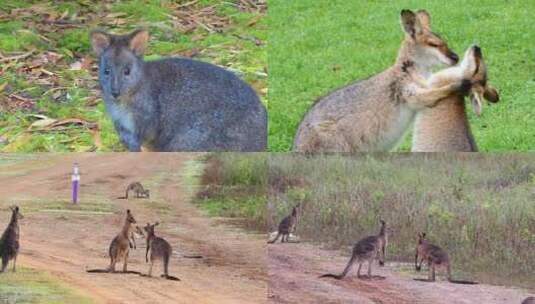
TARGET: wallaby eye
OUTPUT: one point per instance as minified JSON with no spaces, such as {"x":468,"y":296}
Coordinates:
{"x":433,"y":44}
{"x":126,"y":71}
{"x":107,"y":71}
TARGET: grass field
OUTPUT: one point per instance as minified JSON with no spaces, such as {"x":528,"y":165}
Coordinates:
{"x":477,"y":207}
{"x":318,"y":46}
{"x":49,"y":96}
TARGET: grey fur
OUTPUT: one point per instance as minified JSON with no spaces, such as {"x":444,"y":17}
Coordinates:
{"x":9,"y":242}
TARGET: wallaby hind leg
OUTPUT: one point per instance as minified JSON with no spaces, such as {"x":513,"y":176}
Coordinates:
{"x":370,"y":268}
{"x":275,"y":239}
{"x":150,"y":267}
{"x":358,"y":270}
{"x":166,"y":266}
{"x":5,"y":260}
{"x":125,"y":265}
{"x":15,"y":263}
{"x":112,"y":264}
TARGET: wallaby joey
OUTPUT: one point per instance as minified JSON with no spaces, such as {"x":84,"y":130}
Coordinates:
{"x":367,"y":249}
{"x":286,"y":226}
{"x":445,"y":127}
{"x":138,"y":190}
{"x":374,"y":114}
{"x":435,"y":257}
{"x":175,"y":104}
{"x":159,"y":250}
{"x":9,"y":242}
{"x":120,"y":246}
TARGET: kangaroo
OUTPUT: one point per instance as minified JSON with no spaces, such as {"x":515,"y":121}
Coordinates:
{"x":9,"y":242}
{"x":445,"y":128}
{"x":286,"y":226}
{"x":374,"y":114}
{"x":138,"y":190}
{"x":175,"y":104}
{"x":366,"y":249}
{"x":435,"y":257}
{"x":529,"y":300}
{"x":159,"y":250}
{"x":120,"y":245}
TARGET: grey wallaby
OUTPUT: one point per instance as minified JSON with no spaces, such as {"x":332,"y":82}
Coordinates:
{"x":286,"y":226}
{"x":175,"y":104}
{"x":366,"y":249}
{"x":435,"y":257}
{"x":159,"y":250}
{"x":138,"y":190}
{"x":120,"y":245}
{"x":9,"y":242}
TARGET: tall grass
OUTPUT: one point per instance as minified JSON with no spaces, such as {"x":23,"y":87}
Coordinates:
{"x":479,"y":207}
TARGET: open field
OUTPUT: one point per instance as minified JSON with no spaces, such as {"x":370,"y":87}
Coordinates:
{"x":316,"y":47}
{"x":59,"y":242}
{"x":477,"y":207}
{"x":49,"y":96}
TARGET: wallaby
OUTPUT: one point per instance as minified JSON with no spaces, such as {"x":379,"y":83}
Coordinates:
{"x":529,"y":300}
{"x":119,"y":247}
{"x":435,"y":257}
{"x":138,"y":190}
{"x":367,"y":249}
{"x":9,"y":242}
{"x":445,"y":127}
{"x":374,"y":114}
{"x":175,"y":104}
{"x":286,"y":226}
{"x":159,"y":250}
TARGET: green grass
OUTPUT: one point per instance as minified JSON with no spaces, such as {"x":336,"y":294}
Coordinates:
{"x":318,"y":46}
{"x":30,"y":286}
{"x":478,"y":207}
{"x":74,"y":94}
{"x":87,"y":204}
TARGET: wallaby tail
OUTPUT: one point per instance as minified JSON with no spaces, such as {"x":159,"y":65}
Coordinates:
{"x":98,"y":270}
{"x":122,"y":197}
{"x":463,"y":282}
{"x":170,"y":277}
{"x":275,"y":239}
{"x":344,"y":273}
{"x":192,"y":256}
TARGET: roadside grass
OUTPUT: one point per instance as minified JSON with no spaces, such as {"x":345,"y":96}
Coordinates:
{"x":86,"y":205}
{"x":31,"y":286}
{"x":477,"y":207}
{"x":316,"y":47}
{"x":58,"y":79}
{"x":234,"y":185}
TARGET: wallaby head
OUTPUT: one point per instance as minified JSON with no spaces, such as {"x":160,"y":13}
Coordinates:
{"x":480,"y":87}
{"x":147,"y":193}
{"x":139,"y":231}
{"x":421,"y":45}
{"x":421,"y":238}
{"x":120,"y":62}
{"x":150,"y":229}
{"x":129,"y":217}
{"x":15,"y":213}
{"x":294,"y":211}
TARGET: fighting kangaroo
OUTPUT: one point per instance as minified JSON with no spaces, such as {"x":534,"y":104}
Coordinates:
{"x":159,"y":250}
{"x":120,"y":245}
{"x":286,"y":226}
{"x":367,"y":249}
{"x":435,"y":257}
{"x":9,"y":242}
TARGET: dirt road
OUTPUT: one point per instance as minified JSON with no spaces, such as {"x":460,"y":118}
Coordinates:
{"x":233,"y":269}
{"x":294,"y":269}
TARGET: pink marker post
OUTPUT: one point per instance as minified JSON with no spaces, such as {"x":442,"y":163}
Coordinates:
{"x":75,"y":183}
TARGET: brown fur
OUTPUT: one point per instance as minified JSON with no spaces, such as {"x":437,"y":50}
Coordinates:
{"x":120,"y":245}
{"x":374,"y":114}
{"x":159,"y":250}
{"x":286,"y":226}
{"x":138,"y":190}
{"x":9,"y":242}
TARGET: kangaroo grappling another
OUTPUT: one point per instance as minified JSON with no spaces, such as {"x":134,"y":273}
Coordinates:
{"x":435,"y":257}
{"x":445,"y":127}
{"x":175,"y":104}
{"x":9,"y":242}
{"x":374,"y":114}
{"x":120,"y":245}
{"x":367,"y":249}
{"x":159,"y":250}
{"x":286,"y":226}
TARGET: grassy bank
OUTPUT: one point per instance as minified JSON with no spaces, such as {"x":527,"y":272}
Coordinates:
{"x":477,"y":207}
{"x":316,"y":47}
{"x":234,"y":185}
{"x":49,"y":95}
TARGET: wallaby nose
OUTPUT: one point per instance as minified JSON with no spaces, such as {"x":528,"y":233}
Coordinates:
{"x":115,"y":94}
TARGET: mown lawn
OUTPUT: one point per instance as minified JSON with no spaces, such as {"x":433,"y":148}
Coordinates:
{"x":49,"y":96}
{"x":318,"y":46}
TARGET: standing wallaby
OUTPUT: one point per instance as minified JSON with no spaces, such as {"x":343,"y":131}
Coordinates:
{"x":366,"y":249}
{"x":445,"y":127}
{"x":120,"y":246}
{"x":159,"y":250}
{"x":138,"y":190}
{"x":9,"y":242}
{"x":374,"y":114}
{"x":286,"y":226}
{"x":175,"y":104}
{"x":435,"y":257}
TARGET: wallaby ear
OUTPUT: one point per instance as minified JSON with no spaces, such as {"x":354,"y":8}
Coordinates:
{"x":100,"y":40}
{"x":424,"y":18}
{"x":410,"y":23}
{"x":491,"y":94}
{"x":128,"y":211}
{"x":138,"y":41}
{"x":477,"y":103}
